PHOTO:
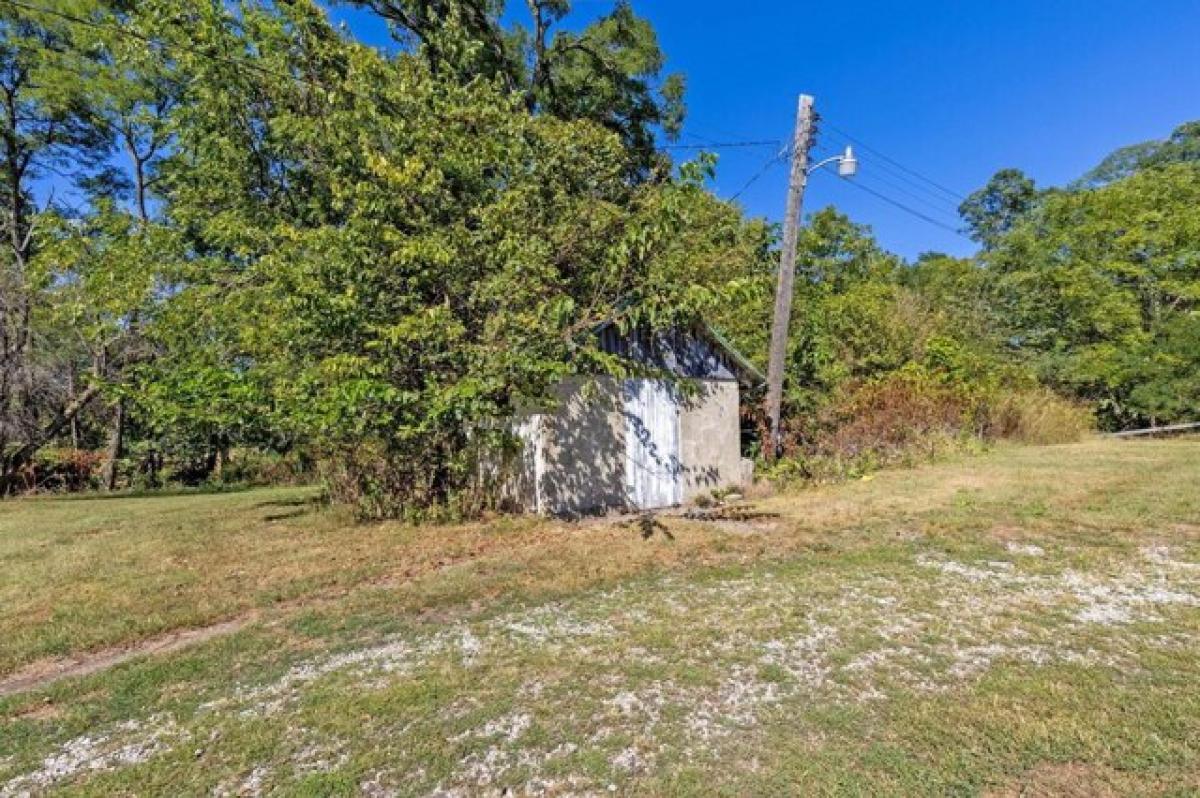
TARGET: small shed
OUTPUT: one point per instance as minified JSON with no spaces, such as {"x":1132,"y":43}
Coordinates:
{"x":640,"y":443}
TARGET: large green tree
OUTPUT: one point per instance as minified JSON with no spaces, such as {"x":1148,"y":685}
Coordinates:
{"x":135,"y":90}
{"x":993,"y":210}
{"x":46,"y":129}
{"x":383,"y":261}
{"x":1182,"y":146}
{"x":610,"y":72}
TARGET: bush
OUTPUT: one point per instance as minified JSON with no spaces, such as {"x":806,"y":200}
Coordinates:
{"x":378,"y":484}
{"x":892,"y":414}
{"x":917,"y":414}
{"x":258,"y":468}
{"x":1037,"y":416}
{"x":61,"y":469}
{"x":902,"y":418}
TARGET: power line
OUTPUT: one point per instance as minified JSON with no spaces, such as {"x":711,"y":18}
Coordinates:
{"x":896,"y":180}
{"x":718,"y":145}
{"x":929,"y":196}
{"x":894,"y":186}
{"x":707,"y":139}
{"x":823,"y":150}
{"x":718,"y":134}
{"x":895,"y":163}
{"x":905,"y":208}
{"x":776,"y":158}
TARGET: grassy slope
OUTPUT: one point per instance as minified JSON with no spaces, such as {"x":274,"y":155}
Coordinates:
{"x":1024,"y":622}
{"x":85,"y":573}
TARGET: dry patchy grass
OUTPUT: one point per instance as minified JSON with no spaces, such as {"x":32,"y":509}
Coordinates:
{"x":1023,"y":623}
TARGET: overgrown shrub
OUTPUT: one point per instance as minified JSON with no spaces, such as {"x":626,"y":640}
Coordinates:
{"x":916,"y":414}
{"x":62,"y":469}
{"x":378,"y":484}
{"x":1037,"y":416}
{"x":266,"y":468}
{"x":904,"y":417}
{"x":897,"y":412}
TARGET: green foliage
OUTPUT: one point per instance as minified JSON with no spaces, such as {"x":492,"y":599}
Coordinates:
{"x":56,"y":470}
{"x":1182,"y":146}
{"x":895,"y":363}
{"x":609,"y":72}
{"x":46,"y":127}
{"x":392,"y":261}
{"x":289,"y":246}
{"x":1099,"y":290}
{"x":994,"y":209}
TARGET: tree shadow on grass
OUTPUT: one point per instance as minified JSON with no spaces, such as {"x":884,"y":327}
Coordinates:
{"x":293,"y":508}
{"x":147,"y":493}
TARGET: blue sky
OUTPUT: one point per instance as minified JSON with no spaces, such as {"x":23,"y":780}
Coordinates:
{"x":951,"y":90}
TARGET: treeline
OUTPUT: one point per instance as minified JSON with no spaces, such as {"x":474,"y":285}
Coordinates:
{"x":1097,"y":287}
{"x":1081,"y":308}
{"x":241,"y":245}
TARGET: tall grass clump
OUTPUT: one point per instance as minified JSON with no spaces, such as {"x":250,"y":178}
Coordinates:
{"x":914,"y":415}
{"x":899,"y":419}
{"x":1037,"y":416}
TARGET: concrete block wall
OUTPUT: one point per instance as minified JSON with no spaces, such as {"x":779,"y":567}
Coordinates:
{"x":710,"y":439}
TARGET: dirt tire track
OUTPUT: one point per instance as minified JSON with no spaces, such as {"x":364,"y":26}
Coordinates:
{"x":43,"y":673}
{"x":46,"y":672}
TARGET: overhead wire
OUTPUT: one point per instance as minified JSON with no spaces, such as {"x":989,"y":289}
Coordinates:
{"x":908,"y":170}
{"x":771,"y":162}
{"x":824,"y":150}
{"x":912,"y":186}
{"x":720,"y":145}
{"x":873,"y":169}
{"x":901,"y":206}
{"x":901,"y":182}
{"x":866,"y":173}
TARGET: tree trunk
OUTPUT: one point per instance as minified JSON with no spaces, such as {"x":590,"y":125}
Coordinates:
{"x":150,"y":466}
{"x":71,"y":397}
{"x":217,"y":457}
{"x":116,"y":445}
{"x":222,"y":461}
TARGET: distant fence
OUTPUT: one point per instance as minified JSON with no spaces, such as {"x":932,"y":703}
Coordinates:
{"x":1175,"y":429}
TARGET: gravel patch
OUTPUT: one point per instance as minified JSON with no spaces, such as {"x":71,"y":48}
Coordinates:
{"x":760,"y":644}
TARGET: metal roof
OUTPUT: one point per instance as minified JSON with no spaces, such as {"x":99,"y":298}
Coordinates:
{"x":699,"y":352}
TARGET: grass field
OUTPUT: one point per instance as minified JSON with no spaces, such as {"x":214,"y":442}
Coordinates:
{"x":1025,"y":622}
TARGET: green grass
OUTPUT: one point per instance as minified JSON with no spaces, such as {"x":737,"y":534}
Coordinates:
{"x":1025,"y":622}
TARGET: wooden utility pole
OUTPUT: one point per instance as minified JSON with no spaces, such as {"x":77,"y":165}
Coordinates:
{"x":802,"y":143}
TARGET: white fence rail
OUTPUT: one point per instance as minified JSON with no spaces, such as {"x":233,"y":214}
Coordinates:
{"x":1175,"y":429}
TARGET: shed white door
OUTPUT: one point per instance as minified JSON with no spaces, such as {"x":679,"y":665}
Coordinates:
{"x":652,"y":465}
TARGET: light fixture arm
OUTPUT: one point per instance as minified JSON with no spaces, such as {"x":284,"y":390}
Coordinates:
{"x":826,"y":162}
{"x":847,"y":163}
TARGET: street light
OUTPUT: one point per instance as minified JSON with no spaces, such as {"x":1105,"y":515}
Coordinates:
{"x":847,"y":163}
{"x":805,"y":137}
